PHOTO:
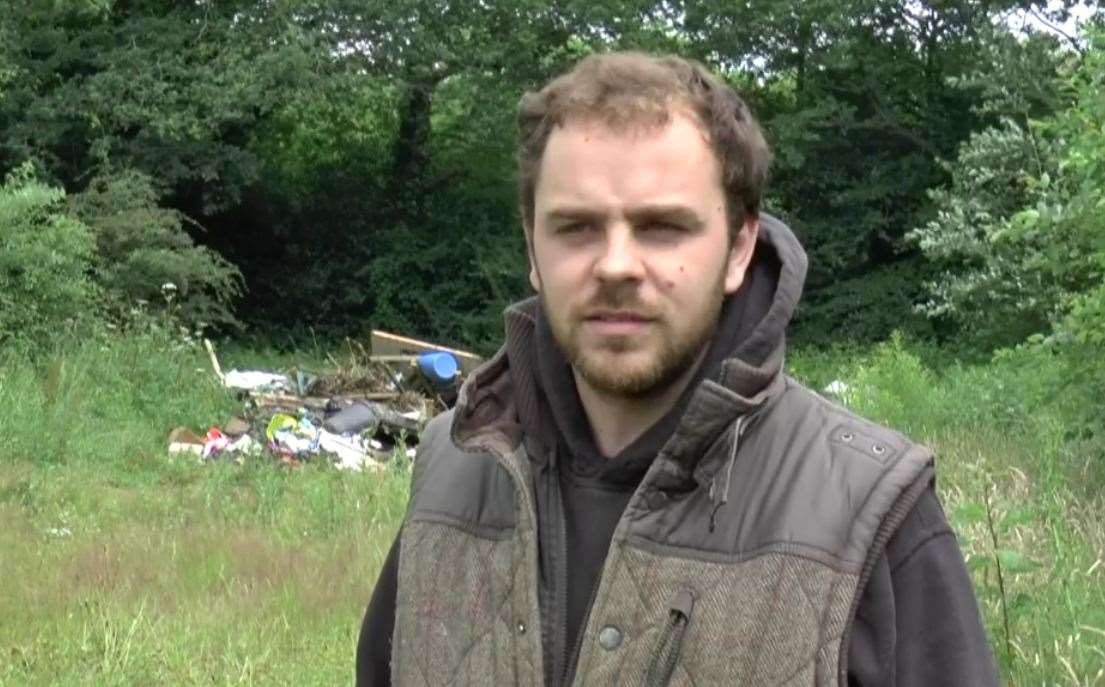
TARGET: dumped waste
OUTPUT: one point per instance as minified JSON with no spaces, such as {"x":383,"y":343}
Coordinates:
{"x":356,"y":416}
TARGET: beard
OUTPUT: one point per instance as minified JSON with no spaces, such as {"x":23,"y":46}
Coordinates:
{"x":635,"y":366}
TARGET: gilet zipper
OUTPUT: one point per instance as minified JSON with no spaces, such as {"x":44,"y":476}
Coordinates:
{"x":560,"y":580}
{"x":670,"y":643}
{"x":573,"y":658}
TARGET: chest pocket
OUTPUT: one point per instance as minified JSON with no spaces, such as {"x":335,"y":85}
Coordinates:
{"x":772,"y":620}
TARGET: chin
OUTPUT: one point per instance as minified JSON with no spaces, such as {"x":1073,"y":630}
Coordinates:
{"x":621,"y":374}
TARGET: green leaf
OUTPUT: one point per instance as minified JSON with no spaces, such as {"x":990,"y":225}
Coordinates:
{"x":979,"y":563}
{"x":1016,"y":562}
{"x":1015,"y":517}
{"x":969,"y":512}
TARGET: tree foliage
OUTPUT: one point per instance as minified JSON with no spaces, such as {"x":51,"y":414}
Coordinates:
{"x":46,"y":258}
{"x":1016,"y":232}
{"x":1021,"y":235}
{"x":144,"y":256}
{"x":355,"y":159}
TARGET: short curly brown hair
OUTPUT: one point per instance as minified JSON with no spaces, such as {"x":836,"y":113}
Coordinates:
{"x":631,"y":88}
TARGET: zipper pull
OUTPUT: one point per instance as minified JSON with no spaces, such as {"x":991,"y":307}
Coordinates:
{"x":682,"y":603}
{"x":670,"y":644}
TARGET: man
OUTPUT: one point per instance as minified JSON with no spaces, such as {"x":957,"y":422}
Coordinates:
{"x":632,"y":492}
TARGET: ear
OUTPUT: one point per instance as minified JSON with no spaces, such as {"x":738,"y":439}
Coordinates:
{"x":740,"y":254}
{"x":534,"y":277}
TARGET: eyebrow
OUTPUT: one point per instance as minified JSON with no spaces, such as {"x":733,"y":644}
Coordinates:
{"x":679,"y":214}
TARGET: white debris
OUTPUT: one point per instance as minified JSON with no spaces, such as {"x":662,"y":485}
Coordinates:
{"x":253,"y":380}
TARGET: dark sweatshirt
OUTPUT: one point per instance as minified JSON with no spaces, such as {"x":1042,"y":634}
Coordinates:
{"x":917,"y":622}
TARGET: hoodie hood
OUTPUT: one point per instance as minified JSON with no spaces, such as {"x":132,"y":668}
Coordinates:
{"x":739,"y":372}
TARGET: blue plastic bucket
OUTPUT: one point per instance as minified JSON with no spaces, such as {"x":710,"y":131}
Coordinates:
{"x":439,"y":367}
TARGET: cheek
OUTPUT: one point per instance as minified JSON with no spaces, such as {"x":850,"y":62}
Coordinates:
{"x":562,"y":274}
{"x":671,"y":283}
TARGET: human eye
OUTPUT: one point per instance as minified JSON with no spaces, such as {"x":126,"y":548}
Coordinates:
{"x":573,"y":228}
{"x":664,"y":228}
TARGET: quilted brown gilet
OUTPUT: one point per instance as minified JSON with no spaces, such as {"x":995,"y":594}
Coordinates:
{"x":756,"y":588}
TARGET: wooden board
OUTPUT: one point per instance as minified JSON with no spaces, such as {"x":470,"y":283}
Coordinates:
{"x":387,"y":344}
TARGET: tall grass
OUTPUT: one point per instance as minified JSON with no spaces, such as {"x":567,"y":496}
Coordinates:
{"x":123,"y":565}
{"x":1024,"y":495}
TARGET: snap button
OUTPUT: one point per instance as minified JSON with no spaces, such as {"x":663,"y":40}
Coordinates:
{"x":656,"y":499}
{"x":610,"y":638}
{"x":878,"y":449}
{"x":521,"y":628}
{"x":847,"y":436}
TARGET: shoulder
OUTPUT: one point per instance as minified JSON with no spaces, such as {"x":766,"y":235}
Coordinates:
{"x":844,"y":433}
{"x":436,"y":432}
{"x":844,"y":474}
{"x":438,"y":458}
{"x":467,"y":488}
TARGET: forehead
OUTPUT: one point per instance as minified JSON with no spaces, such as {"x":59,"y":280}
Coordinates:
{"x":587,"y":162}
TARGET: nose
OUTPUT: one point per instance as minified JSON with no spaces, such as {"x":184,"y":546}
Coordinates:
{"x":620,"y":259}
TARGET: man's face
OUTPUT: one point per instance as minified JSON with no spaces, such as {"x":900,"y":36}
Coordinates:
{"x":630,"y":251}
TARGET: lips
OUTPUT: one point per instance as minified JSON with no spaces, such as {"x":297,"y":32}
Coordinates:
{"x":617,"y":322}
{"x":618,"y":316}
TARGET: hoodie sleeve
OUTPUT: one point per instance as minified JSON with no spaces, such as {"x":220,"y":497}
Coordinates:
{"x":374,"y":645}
{"x":918,"y":622}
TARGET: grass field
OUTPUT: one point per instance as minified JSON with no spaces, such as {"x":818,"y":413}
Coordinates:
{"x":121,"y":565}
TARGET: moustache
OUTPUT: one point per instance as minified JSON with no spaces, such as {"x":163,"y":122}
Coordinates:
{"x":619,"y":303}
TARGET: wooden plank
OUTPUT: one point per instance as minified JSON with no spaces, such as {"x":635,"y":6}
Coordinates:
{"x":214,"y":361}
{"x":315,"y":402}
{"x":386,"y":344}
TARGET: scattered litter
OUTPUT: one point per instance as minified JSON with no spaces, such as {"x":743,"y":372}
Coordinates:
{"x":385,"y":344}
{"x":837,"y":390}
{"x":362,"y":414}
{"x":353,"y":418}
{"x":253,"y":380}
{"x":184,"y":440}
{"x":356,"y":416}
{"x":351,"y":452}
{"x":440,"y":368}
{"x":215,"y":443}
{"x":244,"y":444}
{"x":236,"y":427}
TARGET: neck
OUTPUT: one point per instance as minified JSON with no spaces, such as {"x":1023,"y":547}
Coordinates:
{"x":616,"y":421}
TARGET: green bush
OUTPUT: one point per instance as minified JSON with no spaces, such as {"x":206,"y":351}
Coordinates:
{"x":1020,"y":236}
{"x":46,"y":261}
{"x":141,"y":247}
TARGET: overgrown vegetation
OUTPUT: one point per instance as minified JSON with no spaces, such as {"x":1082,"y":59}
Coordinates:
{"x":170,"y":169}
{"x":1020,"y":236}
{"x":125,"y":565}
{"x":44,"y":264}
{"x":1026,"y":501}
{"x":354,"y":160}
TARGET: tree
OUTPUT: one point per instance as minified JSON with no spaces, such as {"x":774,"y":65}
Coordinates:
{"x":409,"y":218}
{"x":142,"y":252}
{"x":46,"y":258}
{"x":1021,"y":237}
{"x":170,"y":89}
{"x":861,"y":101}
